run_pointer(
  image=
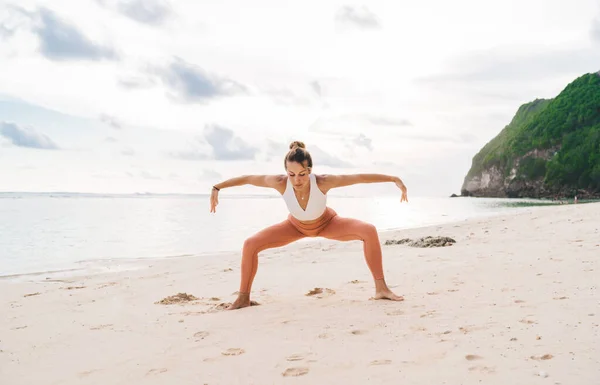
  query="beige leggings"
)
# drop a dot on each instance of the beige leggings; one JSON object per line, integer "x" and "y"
{"x": 329, "y": 225}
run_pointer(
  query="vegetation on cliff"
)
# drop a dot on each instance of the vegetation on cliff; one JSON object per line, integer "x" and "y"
{"x": 567, "y": 127}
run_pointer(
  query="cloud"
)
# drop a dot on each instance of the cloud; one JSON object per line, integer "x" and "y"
{"x": 136, "y": 82}
{"x": 356, "y": 123}
{"x": 316, "y": 87}
{"x": 13, "y": 19}
{"x": 110, "y": 139}
{"x": 60, "y": 40}
{"x": 284, "y": 96}
{"x": 26, "y": 137}
{"x": 191, "y": 83}
{"x": 324, "y": 158}
{"x": 276, "y": 151}
{"x": 151, "y": 12}
{"x": 386, "y": 121}
{"x": 197, "y": 151}
{"x": 595, "y": 30}
{"x": 227, "y": 146}
{"x": 525, "y": 65}
{"x": 208, "y": 174}
{"x": 110, "y": 121}
{"x": 363, "y": 141}
{"x": 128, "y": 152}
{"x": 6, "y": 31}
{"x": 218, "y": 143}
{"x": 360, "y": 17}
{"x": 148, "y": 175}
{"x": 458, "y": 138}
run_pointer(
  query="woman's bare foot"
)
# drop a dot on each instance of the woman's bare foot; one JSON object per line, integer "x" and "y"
{"x": 243, "y": 300}
{"x": 388, "y": 294}
{"x": 382, "y": 291}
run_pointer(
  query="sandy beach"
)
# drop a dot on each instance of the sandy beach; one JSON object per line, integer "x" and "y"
{"x": 514, "y": 301}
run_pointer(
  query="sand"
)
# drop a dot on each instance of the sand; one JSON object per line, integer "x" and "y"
{"x": 514, "y": 300}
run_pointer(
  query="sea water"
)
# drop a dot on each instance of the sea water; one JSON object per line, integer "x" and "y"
{"x": 53, "y": 232}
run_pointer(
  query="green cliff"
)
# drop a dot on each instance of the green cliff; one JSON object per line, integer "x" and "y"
{"x": 550, "y": 148}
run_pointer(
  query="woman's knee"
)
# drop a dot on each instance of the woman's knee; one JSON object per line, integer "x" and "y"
{"x": 251, "y": 244}
{"x": 369, "y": 231}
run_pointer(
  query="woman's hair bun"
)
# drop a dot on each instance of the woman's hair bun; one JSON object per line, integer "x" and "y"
{"x": 297, "y": 144}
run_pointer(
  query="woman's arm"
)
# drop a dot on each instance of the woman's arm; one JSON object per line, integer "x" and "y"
{"x": 273, "y": 181}
{"x": 334, "y": 181}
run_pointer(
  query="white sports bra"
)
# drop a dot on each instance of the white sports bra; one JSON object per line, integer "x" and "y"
{"x": 317, "y": 201}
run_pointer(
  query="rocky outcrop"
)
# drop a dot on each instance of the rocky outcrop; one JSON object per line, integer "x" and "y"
{"x": 496, "y": 182}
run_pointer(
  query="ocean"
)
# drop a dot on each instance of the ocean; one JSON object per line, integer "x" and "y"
{"x": 54, "y": 232}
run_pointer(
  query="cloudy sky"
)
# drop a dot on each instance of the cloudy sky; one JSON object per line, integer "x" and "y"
{"x": 176, "y": 95}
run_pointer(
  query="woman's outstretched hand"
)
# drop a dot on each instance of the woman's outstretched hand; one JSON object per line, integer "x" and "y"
{"x": 214, "y": 200}
{"x": 402, "y": 187}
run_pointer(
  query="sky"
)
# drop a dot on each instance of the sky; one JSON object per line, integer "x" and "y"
{"x": 173, "y": 96}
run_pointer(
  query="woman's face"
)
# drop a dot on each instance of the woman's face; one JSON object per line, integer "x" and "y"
{"x": 298, "y": 174}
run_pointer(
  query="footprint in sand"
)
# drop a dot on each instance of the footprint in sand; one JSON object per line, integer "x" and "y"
{"x": 319, "y": 292}
{"x": 429, "y": 314}
{"x": 221, "y": 306}
{"x": 73, "y": 287}
{"x": 358, "y": 332}
{"x": 107, "y": 285}
{"x": 100, "y": 327}
{"x": 233, "y": 352}
{"x": 87, "y": 373}
{"x": 188, "y": 313}
{"x": 473, "y": 357}
{"x": 295, "y": 357}
{"x": 482, "y": 369}
{"x": 395, "y": 312}
{"x": 468, "y": 329}
{"x": 32, "y": 294}
{"x": 527, "y": 321}
{"x": 177, "y": 299}
{"x": 157, "y": 371}
{"x": 201, "y": 335}
{"x": 381, "y": 362}
{"x": 543, "y": 358}
{"x": 295, "y": 372}
{"x": 559, "y": 298}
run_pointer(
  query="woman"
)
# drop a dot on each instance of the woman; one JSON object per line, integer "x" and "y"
{"x": 305, "y": 195}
